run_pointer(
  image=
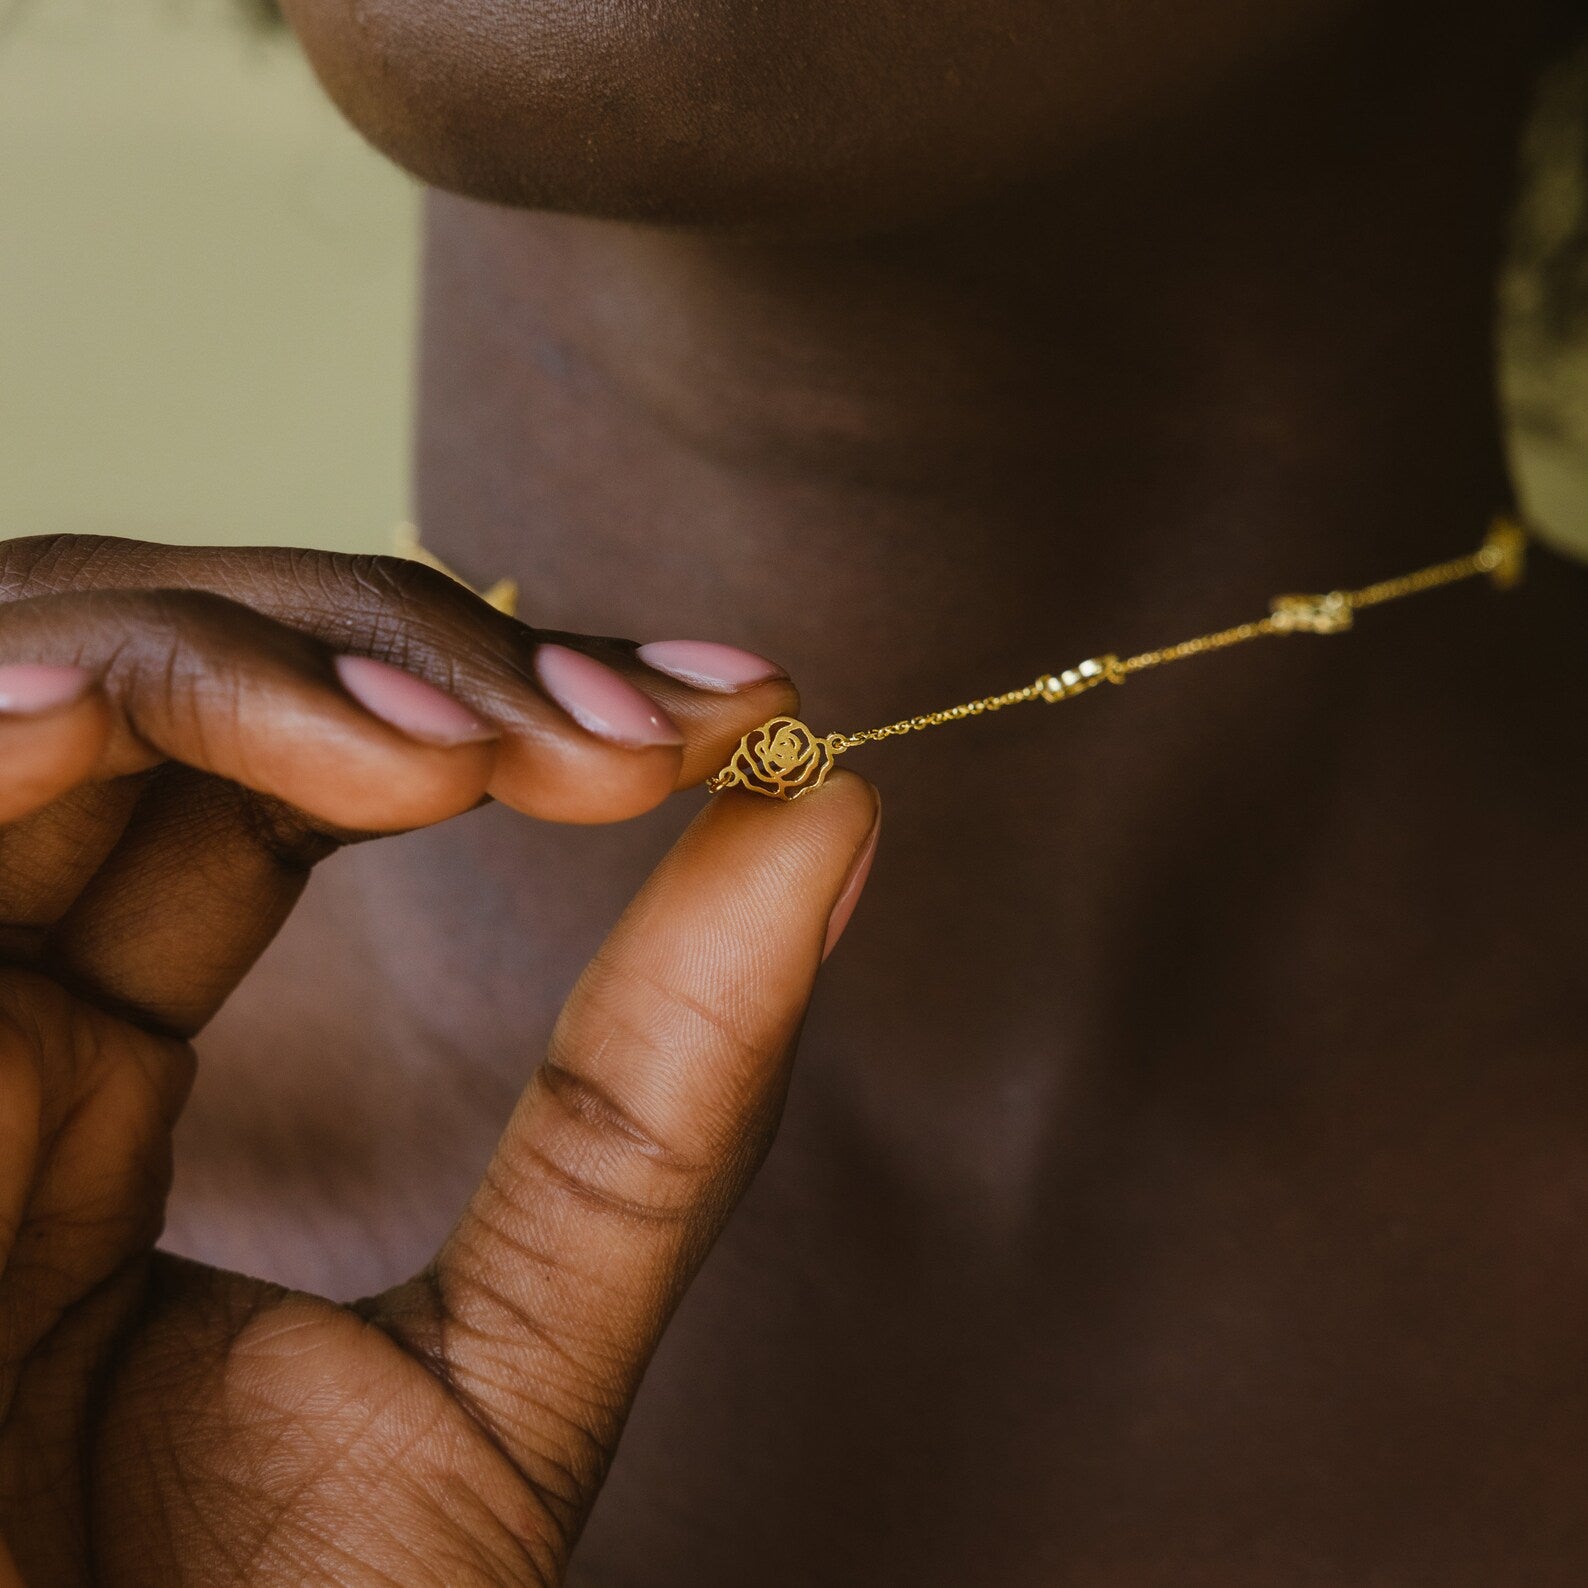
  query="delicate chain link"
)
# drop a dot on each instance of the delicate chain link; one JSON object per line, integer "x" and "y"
{"x": 1487, "y": 559}
{"x": 1501, "y": 557}
{"x": 933, "y": 719}
{"x": 1219, "y": 641}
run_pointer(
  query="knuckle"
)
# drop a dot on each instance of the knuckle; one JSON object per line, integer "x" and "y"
{"x": 405, "y": 604}
{"x": 403, "y": 579}
{"x": 420, "y": 618}
{"x": 35, "y": 565}
{"x": 338, "y": 583}
{"x": 385, "y": 583}
{"x": 393, "y": 608}
{"x": 587, "y": 1147}
{"x": 164, "y": 639}
{"x": 729, "y": 1063}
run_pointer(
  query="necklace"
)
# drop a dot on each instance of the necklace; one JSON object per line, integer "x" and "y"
{"x": 784, "y": 759}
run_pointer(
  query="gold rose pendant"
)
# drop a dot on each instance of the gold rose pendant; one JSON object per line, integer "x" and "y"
{"x": 781, "y": 759}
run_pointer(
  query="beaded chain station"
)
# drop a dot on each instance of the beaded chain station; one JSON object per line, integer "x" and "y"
{"x": 783, "y": 758}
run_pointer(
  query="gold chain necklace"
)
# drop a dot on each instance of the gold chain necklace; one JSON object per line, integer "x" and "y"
{"x": 784, "y": 759}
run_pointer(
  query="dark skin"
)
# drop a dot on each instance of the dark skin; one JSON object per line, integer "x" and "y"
{"x": 167, "y": 1422}
{"x": 1180, "y": 1181}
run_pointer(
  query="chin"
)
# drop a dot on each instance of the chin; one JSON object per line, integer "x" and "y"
{"x": 690, "y": 113}
{"x": 793, "y": 114}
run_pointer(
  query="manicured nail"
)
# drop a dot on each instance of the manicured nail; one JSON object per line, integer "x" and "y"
{"x": 409, "y": 704}
{"x": 32, "y": 690}
{"x": 724, "y": 669}
{"x": 601, "y": 701}
{"x": 854, "y": 886}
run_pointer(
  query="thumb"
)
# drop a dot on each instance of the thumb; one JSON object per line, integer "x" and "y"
{"x": 635, "y": 1139}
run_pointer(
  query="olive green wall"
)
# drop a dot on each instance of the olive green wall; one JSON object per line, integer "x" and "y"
{"x": 206, "y": 285}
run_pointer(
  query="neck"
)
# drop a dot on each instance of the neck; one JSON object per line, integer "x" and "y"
{"x": 920, "y": 469}
{"x": 1248, "y": 354}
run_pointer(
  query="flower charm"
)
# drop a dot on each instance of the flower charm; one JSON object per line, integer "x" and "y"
{"x": 781, "y": 759}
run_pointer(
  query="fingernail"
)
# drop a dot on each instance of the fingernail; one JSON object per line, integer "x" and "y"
{"x": 409, "y": 704}
{"x": 30, "y": 689}
{"x": 854, "y": 886}
{"x": 704, "y": 664}
{"x": 602, "y": 702}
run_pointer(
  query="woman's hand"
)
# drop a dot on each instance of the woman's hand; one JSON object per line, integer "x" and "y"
{"x": 181, "y": 744}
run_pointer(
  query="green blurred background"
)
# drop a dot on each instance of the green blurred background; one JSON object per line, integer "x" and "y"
{"x": 206, "y": 285}
{"x": 207, "y": 289}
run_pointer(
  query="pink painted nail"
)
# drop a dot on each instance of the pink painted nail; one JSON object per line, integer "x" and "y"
{"x": 409, "y": 704}
{"x": 853, "y": 888}
{"x": 29, "y": 689}
{"x": 704, "y": 664}
{"x": 601, "y": 701}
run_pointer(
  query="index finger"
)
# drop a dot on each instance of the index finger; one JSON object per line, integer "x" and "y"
{"x": 589, "y": 732}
